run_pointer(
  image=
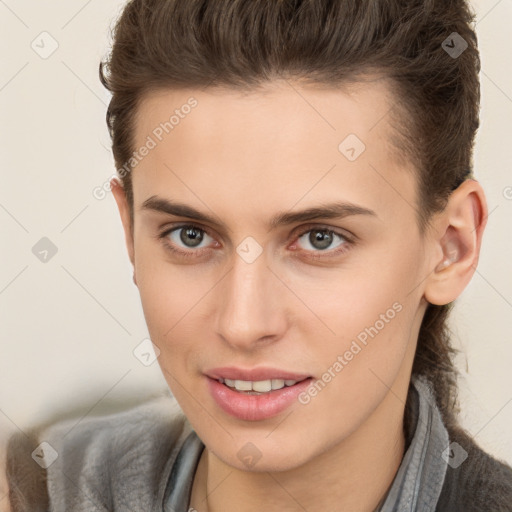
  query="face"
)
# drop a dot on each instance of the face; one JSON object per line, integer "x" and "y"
{"x": 314, "y": 317}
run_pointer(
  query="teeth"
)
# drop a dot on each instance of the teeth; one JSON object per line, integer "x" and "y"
{"x": 263, "y": 386}
{"x": 260, "y": 386}
{"x": 243, "y": 385}
{"x": 277, "y": 383}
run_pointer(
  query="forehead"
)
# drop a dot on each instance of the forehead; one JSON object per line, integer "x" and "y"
{"x": 273, "y": 106}
{"x": 284, "y": 143}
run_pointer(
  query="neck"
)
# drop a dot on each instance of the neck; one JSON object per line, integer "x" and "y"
{"x": 355, "y": 474}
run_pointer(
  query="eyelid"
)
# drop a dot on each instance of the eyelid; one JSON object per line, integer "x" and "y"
{"x": 303, "y": 229}
{"x": 163, "y": 232}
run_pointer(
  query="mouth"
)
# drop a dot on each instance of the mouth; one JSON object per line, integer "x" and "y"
{"x": 256, "y": 394}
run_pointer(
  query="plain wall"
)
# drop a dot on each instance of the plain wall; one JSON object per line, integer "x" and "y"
{"x": 69, "y": 326}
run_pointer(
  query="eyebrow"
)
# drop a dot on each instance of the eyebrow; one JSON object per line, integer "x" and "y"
{"x": 336, "y": 210}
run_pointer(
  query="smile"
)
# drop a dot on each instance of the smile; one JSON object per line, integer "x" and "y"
{"x": 256, "y": 394}
{"x": 257, "y": 387}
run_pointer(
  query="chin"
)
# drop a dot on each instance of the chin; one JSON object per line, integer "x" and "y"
{"x": 253, "y": 454}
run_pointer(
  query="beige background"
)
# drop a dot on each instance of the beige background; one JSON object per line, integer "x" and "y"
{"x": 68, "y": 327}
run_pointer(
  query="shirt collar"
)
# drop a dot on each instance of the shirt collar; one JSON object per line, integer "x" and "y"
{"x": 420, "y": 477}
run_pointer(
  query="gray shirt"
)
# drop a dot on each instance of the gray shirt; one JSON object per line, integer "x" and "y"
{"x": 144, "y": 460}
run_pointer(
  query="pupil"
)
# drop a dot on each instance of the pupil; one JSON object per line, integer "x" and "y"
{"x": 191, "y": 235}
{"x": 320, "y": 239}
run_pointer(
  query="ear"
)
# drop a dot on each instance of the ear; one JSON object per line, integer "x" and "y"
{"x": 124, "y": 211}
{"x": 456, "y": 243}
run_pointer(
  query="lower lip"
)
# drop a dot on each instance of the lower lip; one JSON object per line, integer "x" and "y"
{"x": 255, "y": 407}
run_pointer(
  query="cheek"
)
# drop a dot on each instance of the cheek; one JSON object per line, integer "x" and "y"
{"x": 167, "y": 291}
{"x": 371, "y": 332}
{"x": 357, "y": 370}
{"x": 369, "y": 311}
{"x": 372, "y": 313}
{"x": 167, "y": 304}
{"x": 352, "y": 300}
{"x": 173, "y": 299}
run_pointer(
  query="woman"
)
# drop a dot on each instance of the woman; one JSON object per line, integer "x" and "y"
{"x": 298, "y": 205}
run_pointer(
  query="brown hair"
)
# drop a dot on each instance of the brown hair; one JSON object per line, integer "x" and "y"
{"x": 243, "y": 44}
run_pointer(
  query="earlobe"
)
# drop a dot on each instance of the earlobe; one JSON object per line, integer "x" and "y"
{"x": 124, "y": 211}
{"x": 461, "y": 227}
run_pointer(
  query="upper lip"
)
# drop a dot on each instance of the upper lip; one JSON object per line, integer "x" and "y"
{"x": 253, "y": 374}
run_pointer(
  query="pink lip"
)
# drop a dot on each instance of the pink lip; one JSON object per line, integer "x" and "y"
{"x": 253, "y": 374}
{"x": 255, "y": 407}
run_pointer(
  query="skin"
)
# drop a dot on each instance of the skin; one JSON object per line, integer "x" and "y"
{"x": 243, "y": 158}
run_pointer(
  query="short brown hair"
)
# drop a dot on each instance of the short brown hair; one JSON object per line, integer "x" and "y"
{"x": 242, "y": 44}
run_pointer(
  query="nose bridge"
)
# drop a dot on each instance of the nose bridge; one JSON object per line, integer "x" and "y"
{"x": 248, "y": 309}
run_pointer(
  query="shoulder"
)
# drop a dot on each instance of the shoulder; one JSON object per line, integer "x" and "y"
{"x": 100, "y": 463}
{"x": 480, "y": 482}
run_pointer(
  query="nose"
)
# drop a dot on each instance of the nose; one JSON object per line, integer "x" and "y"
{"x": 251, "y": 305}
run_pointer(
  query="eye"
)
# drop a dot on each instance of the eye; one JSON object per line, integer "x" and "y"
{"x": 190, "y": 241}
{"x": 186, "y": 240}
{"x": 321, "y": 239}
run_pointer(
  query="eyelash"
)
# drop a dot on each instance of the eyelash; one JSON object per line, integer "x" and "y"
{"x": 348, "y": 242}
